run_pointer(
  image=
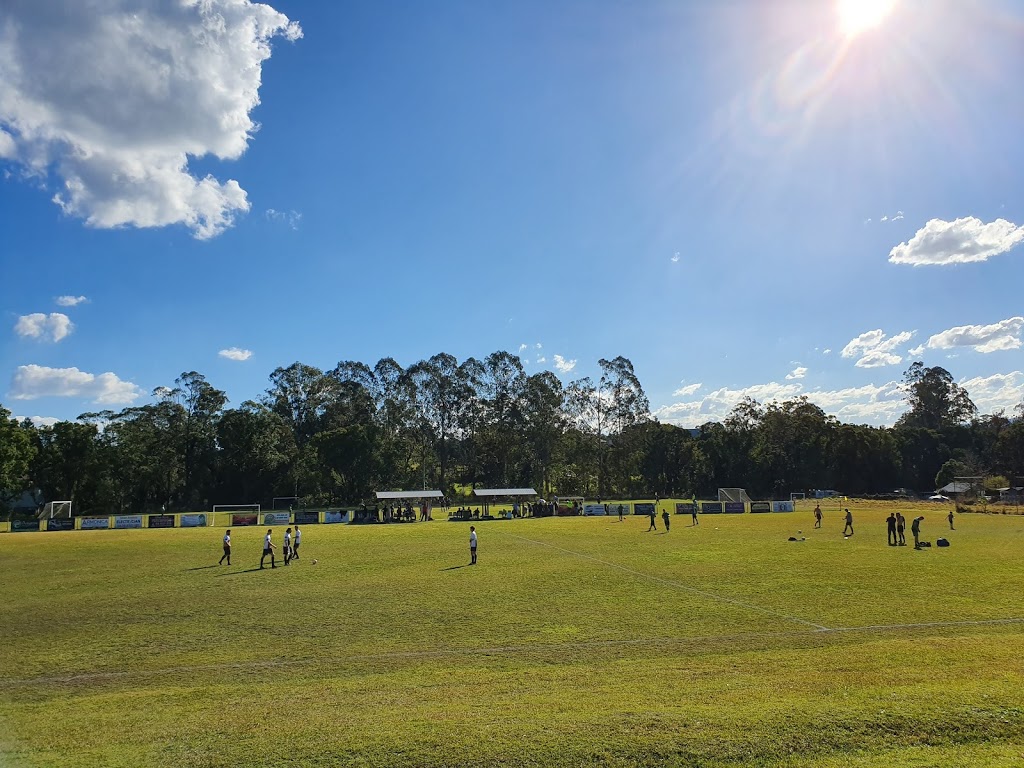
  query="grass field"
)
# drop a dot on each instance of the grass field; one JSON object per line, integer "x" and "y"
{"x": 575, "y": 641}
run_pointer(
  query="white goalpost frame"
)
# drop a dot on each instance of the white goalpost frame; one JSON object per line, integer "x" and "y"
{"x": 293, "y": 499}
{"x": 54, "y": 509}
{"x": 795, "y": 497}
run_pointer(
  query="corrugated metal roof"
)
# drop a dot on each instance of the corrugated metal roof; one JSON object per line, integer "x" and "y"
{"x": 385, "y": 495}
{"x": 504, "y": 492}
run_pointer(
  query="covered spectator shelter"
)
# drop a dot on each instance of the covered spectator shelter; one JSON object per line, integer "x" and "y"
{"x": 409, "y": 497}
{"x": 487, "y": 496}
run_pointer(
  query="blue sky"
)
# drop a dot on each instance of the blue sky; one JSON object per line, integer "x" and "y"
{"x": 744, "y": 198}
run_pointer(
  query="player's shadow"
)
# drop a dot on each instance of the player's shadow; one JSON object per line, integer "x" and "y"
{"x": 203, "y": 567}
{"x": 239, "y": 573}
{"x": 455, "y": 567}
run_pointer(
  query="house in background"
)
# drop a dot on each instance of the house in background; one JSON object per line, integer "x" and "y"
{"x": 955, "y": 489}
{"x": 1011, "y": 495}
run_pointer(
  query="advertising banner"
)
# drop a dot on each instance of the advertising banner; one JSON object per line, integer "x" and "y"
{"x": 160, "y": 521}
{"x": 60, "y": 524}
{"x": 595, "y": 510}
{"x": 307, "y": 518}
{"x": 94, "y": 523}
{"x": 336, "y": 517}
{"x": 613, "y": 507}
{"x": 128, "y": 521}
{"x": 277, "y": 518}
{"x": 24, "y": 525}
{"x": 735, "y": 508}
{"x": 760, "y": 506}
{"x": 711, "y": 507}
{"x": 684, "y": 507}
{"x": 782, "y": 506}
{"x": 643, "y": 508}
{"x": 193, "y": 521}
{"x": 244, "y": 519}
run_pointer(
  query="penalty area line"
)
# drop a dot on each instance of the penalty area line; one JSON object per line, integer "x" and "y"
{"x": 674, "y": 584}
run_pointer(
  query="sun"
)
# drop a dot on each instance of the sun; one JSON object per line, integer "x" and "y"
{"x": 858, "y": 16}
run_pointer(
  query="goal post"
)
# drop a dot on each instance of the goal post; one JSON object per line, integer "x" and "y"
{"x": 52, "y": 509}
{"x": 285, "y": 502}
{"x": 236, "y": 508}
{"x": 795, "y": 497}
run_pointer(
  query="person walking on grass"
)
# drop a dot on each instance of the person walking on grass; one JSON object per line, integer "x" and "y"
{"x": 227, "y": 548}
{"x": 621, "y": 510}
{"x": 951, "y": 520}
{"x": 890, "y": 522}
{"x": 915, "y": 528}
{"x": 268, "y": 549}
{"x": 295, "y": 546}
{"x": 817, "y": 515}
{"x": 849, "y": 523}
{"x": 901, "y": 527}
{"x": 472, "y": 545}
{"x": 654, "y": 513}
{"x": 287, "y": 546}
{"x": 665, "y": 519}
{"x": 693, "y": 514}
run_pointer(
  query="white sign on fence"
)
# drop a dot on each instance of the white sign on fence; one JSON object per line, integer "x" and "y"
{"x": 92, "y": 523}
{"x": 782, "y": 506}
{"x": 277, "y": 518}
{"x": 193, "y": 521}
{"x": 128, "y": 521}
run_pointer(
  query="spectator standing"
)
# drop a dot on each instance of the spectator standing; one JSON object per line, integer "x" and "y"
{"x": 849, "y": 523}
{"x": 654, "y": 524}
{"x": 915, "y": 528}
{"x": 817, "y": 515}
{"x": 951, "y": 521}
{"x": 472, "y": 545}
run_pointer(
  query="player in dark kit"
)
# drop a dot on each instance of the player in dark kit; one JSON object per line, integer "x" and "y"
{"x": 665, "y": 519}
{"x": 654, "y": 524}
{"x": 890, "y": 522}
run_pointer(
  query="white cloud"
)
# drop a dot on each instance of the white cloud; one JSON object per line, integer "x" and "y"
{"x": 686, "y": 391}
{"x": 289, "y": 218}
{"x": 1000, "y": 391}
{"x": 884, "y": 218}
{"x": 563, "y": 365}
{"x": 797, "y": 373}
{"x": 957, "y": 242}
{"x": 7, "y": 147}
{"x": 917, "y": 351}
{"x": 70, "y": 301}
{"x": 869, "y": 404}
{"x": 40, "y": 421}
{"x": 898, "y": 216}
{"x": 34, "y": 381}
{"x": 52, "y": 327}
{"x": 115, "y": 98}
{"x": 981, "y": 338}
{"x": 538, "y": 345}
{"x": 234, "y": 353}
{"x": 826, "y": 352}
{"x": 675, "y": 257}
{"x": 541, "y": 360}
{"x": 523, "y": 347}
{"x": 875, "y": 350}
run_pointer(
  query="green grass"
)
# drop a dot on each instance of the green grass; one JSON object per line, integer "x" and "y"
{"x": 575, "y": 641}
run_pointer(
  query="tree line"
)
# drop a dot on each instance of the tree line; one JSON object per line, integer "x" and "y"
{"x": 333, "y": 437}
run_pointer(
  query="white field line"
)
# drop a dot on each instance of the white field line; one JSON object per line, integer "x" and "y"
{"x": 523, "y": 648}
{"x": 673, "y": 584}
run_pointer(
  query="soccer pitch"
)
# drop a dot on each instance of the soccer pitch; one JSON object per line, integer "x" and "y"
{"x": 574, "y": 641}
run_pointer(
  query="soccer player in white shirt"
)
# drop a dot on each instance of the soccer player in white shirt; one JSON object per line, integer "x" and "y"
{"x": 287, "y": 546}
{"x": 472, "y": 544}
{"x": 227, "y": 548}
{"x": 295, "y": 546}
{"x": 268, "y": 549}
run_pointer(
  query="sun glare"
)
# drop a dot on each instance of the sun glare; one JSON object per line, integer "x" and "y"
{"x": 857, "y": 16}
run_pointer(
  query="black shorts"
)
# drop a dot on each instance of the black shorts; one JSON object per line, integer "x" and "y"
{"x": 268, "y": 552}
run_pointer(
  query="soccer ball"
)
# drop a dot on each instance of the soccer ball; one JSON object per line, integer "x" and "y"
{"x": 314, "y": 562}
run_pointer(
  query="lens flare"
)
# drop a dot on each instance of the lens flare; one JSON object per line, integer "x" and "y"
{"x": 857, "y": 16}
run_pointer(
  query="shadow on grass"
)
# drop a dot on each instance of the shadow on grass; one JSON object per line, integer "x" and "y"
{"x": 239, "y": 573}
{"x": 203, "y": 567}
{"x": 455, "y": 567}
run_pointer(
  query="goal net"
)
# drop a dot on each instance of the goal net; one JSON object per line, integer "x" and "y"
{"x": 52, "y": 509}
{"x": 733, "y": 494}
{"x": 797, "y": 496}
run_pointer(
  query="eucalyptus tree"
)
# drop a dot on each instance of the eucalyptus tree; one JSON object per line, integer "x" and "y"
{"x": 443, "y": 395}
{"x": 16, "y": 453}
